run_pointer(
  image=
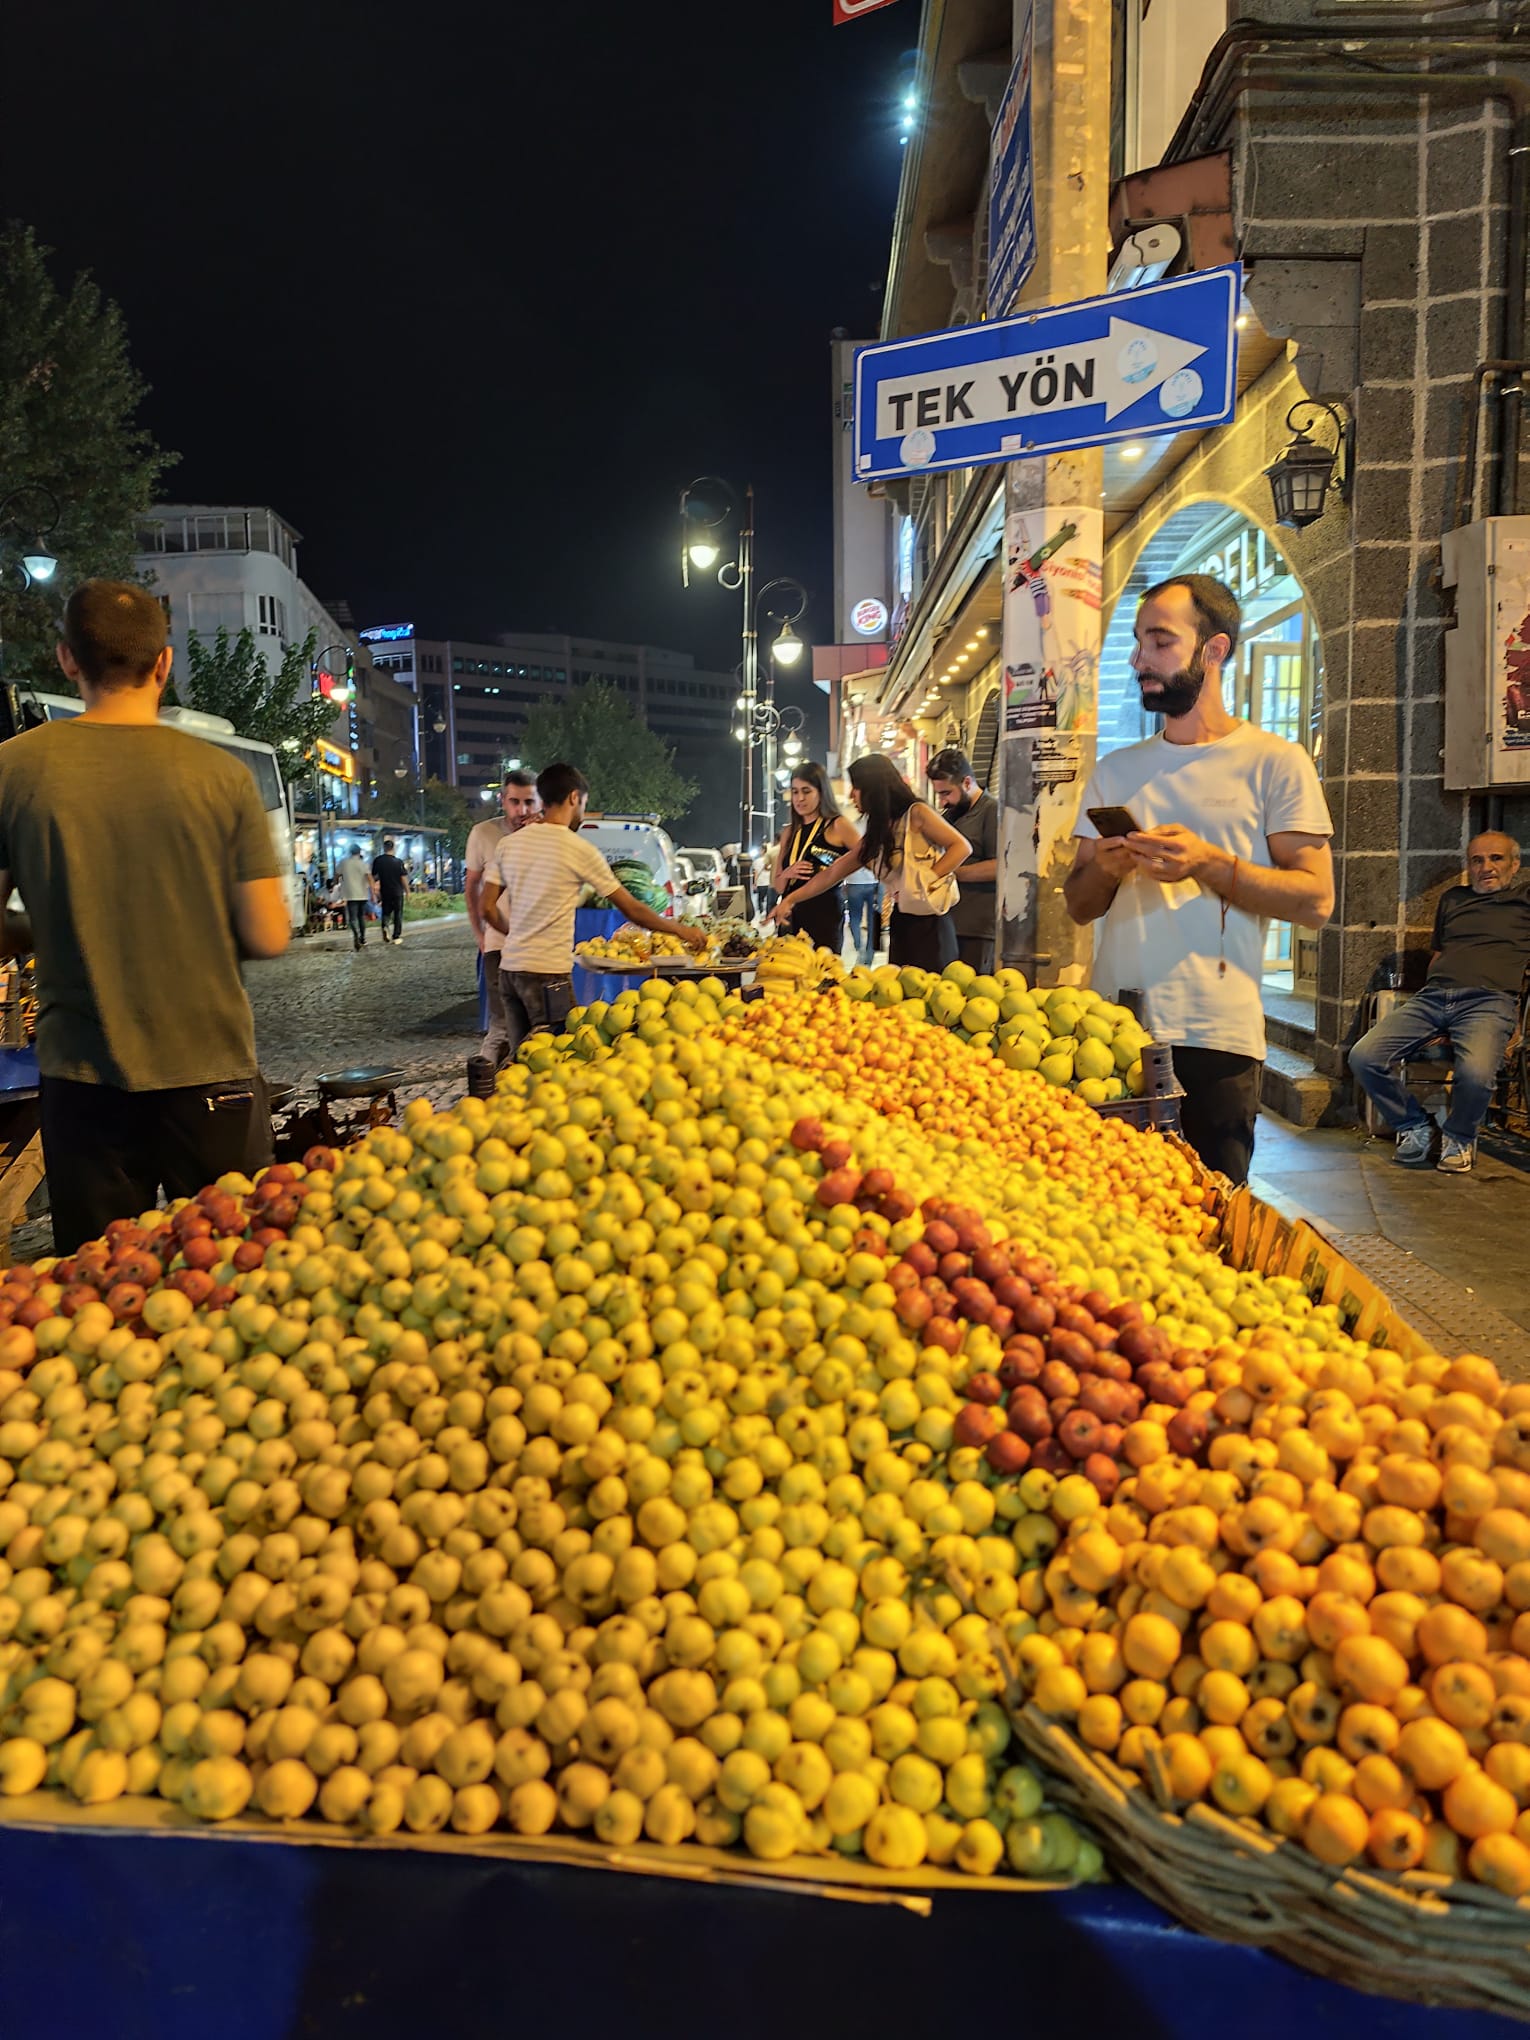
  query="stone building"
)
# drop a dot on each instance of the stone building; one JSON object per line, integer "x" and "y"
{"x": 1369, "y": 169}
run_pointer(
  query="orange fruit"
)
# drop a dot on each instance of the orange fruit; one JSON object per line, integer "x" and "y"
{"x": 1431, "y": 1753}
{"x": 1463, "y": 1694}
{"x": 1504, "y": 1535}
{"x": 1314, "y": 1712}
{"x": 1228, "y": 1647}
{"x": 1150, "y": 1644}
{"x": 1267, "y": 1730}
{"x": 1501, "y": 1861}
{"x": 1409, "y": 1483}
{"x": 1448, "y": 1632}
{"x": 1280, "y": 1628}
{"x": 1187, "y": 1766}
{"x": 1378, "y": 1783}
{"x": 1508, "y": 1765}
{"x": 1395, "y": 1840}
{"x": 1404, "y": 1569}
{"x": 1289, "y": 1803}
{"x": 1471, "y": 1579}
{"x": 1366, "y": 1729}
{"x": 1331, "y": 1616}
{"x": 1475, "y": 1806}
{"x": 1371, "y": 1668}
{"x": 1396, "y": 1616}
{"x": 1241, "y": 1784}
{"x": 1100, "y": 1721}
{"x": 1338, "y": 1828}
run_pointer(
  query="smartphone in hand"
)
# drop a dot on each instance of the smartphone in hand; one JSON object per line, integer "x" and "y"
{"x": 1113, "y": 821}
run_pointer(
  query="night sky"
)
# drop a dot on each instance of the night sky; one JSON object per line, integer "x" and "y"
{"x": 468, "y": 292}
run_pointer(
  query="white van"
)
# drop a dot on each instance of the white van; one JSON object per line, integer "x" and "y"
{"x": 25, "y": 707}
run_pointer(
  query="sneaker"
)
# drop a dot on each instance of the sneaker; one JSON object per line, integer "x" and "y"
{"x": 1456, "y": 1156}
{"x": 1413, "y": 1145}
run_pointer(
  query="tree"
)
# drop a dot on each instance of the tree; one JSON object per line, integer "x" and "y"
{"x": 594, "y": 727}
{"x": 68, "y": 398}
{"x": 445, "y": 807}
{"x": 230, "y": 677}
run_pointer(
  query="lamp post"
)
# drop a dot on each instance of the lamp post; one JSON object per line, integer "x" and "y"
{"x": 705, "y": 507}
{"x": 34, "y": 561}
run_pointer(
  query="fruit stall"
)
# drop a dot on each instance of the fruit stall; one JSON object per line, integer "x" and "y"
{"x": 797, "y": 1463}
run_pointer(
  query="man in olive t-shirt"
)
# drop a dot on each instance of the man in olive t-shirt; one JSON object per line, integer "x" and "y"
{"x": 145, "y": 864}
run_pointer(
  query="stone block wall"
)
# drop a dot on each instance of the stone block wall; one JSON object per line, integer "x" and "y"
{"x": 1414, "y": 192}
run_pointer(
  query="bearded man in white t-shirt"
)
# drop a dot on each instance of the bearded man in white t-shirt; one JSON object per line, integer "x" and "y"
{"x": 531, "y": 888}
{"x": 1232, "y": 832}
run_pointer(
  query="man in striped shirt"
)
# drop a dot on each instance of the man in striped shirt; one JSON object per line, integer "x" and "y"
{"x": 531, "y": 887}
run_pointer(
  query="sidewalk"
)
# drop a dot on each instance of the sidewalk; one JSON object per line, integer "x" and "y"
{"x": 340, "y": 938}
{"x": 1452, "y": 1252}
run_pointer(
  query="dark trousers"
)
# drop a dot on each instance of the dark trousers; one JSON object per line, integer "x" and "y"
{"x": 391, "y": 914}
{"x": 356, "y": 921}
{"x": 109, "y": 1153}
{"x": 534, "y": 1004}
{"x": 978, "y": 951}
{"x": 1220, "y": 1105}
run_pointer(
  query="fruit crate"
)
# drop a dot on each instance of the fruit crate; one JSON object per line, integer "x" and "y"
{"x": 1410, "y": 1935}
{"x": 1413, "y": 1935}
{"x": 1157, "y": 1110}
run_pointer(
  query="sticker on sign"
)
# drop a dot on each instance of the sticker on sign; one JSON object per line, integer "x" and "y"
{"x": 1163, "y": 358}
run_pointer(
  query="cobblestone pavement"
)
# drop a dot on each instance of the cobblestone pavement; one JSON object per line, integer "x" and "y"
{"x": 413, "y": 1006}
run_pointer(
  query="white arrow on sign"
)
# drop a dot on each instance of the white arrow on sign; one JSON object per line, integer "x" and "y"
{"x": 1117, "y": 370}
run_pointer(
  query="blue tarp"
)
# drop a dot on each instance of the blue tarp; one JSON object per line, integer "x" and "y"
{"x": 176, "y": 1937}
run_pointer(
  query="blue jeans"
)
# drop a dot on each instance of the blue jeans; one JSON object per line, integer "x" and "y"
{"x": 864, "y": 902}
{"x": 1478, "y": 1026}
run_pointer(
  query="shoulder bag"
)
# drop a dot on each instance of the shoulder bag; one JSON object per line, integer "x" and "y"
{"x": 919, "y": 890}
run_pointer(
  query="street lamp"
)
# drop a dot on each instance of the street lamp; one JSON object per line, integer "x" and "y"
{"x": 36, "y": 562}
{"x": 705, "y": 507}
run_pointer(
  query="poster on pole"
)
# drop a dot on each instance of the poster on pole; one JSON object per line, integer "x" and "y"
{"x": 1012, "y": 182}
{"x": 1051, "y": 635}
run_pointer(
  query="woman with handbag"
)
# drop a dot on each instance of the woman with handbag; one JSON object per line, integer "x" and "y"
{"x": 812, "y": 840}
{"x": 913, "y": 851}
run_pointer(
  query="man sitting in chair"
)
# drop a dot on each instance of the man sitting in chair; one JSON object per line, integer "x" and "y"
{"x": 1480, "y": 949}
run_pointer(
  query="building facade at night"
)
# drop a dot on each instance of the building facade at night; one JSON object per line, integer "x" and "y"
{"x": 474, "y": 699}
{"x": 234, "y": 567}
{"x": 1365, "y": 174}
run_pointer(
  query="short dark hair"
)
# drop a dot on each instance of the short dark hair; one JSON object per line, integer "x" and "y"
{"x": 950, "y": 764}
{"x": 387, "y": 842}
{"x": 519, "y": 776}
{"x": 115, "y": 632}
{"x": 1216, "y": 607}
{"x": 555, "y": 783}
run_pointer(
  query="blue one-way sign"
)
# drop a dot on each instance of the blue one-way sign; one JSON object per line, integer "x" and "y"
{"x": 1160, "y": 359}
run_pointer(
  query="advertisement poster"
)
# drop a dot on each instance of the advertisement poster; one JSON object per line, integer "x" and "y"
{"x": 1514, "y": 735}
{"x": 1011, "y": 184}
{"x": 1051, "y": 636}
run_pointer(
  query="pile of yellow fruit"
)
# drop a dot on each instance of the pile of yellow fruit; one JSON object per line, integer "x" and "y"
{"x": 630, "y": 945}
{"x": 580, "y": 1458}
{"x": 561, "y": 1462}
{"x": 1074, "y": 1038}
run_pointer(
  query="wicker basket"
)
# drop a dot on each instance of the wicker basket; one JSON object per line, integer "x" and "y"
{"x": 1407, "y": 1935}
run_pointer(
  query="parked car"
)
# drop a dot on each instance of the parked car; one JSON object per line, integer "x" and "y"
{"x": 639, "y": 841}
{"x": 696, "y": 884}
{"x": 708, "y": 864}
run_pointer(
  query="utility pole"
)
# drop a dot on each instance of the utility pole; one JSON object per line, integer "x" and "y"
{"x": 1042, "y": 770}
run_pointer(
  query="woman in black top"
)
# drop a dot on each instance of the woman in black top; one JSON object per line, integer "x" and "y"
{"x": 816, "y": 837}
{"x": 893, "y": 813}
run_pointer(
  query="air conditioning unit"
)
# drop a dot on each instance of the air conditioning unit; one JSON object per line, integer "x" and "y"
{"x": 1487, "y": 656}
